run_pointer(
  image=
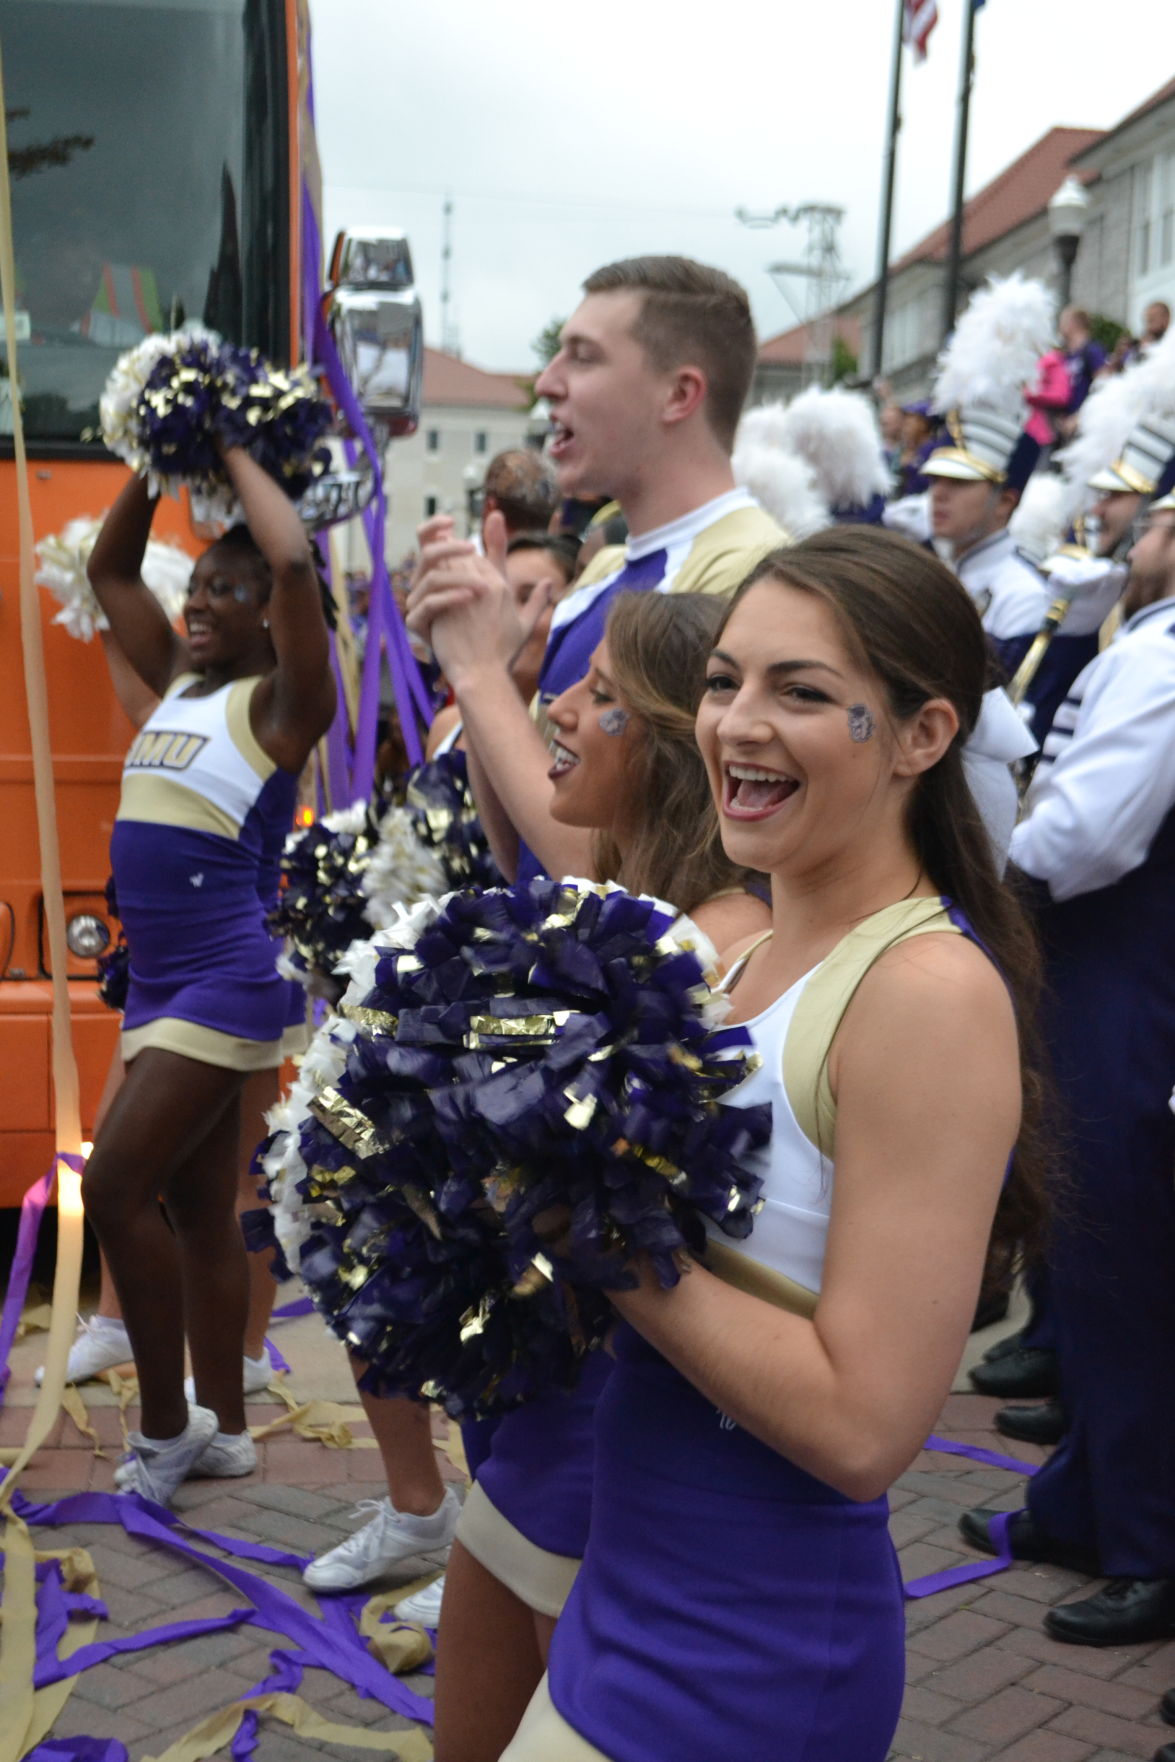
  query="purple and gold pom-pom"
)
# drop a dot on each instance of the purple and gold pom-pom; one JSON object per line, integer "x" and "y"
{"x": 321, "y": 908}
{"x": 531, "y": 1098}
{"x": 170, "y": 400}
{"x": 441, "y": 802}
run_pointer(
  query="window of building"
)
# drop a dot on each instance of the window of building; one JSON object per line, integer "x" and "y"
{"x": 432, "y": 440}
{"x": 430, "y": 507}
{"x": 481, "y": 441}
{"x": 1153, "y": 220}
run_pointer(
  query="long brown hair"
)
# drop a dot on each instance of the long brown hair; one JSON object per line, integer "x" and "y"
{"x": 912, "y": 624}
{"x": 658, "y": 645}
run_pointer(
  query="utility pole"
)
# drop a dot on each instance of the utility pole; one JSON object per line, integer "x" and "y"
{"x": 821, "y": 270}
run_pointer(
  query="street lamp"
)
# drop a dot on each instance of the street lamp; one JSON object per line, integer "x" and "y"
{"x": 1067, "y": 213}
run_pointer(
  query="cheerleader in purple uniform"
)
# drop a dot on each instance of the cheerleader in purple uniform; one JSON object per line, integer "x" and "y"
{"x": 208, "y": 794}
{"x": 739, "y": 1594}
{"x": 626, "y": 765}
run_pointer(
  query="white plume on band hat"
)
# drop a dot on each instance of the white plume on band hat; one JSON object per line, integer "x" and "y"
{"x": 782, "y": 484}
{"x": 1125, "y": 431}
{"x": 806, "y": 460}
{"x": 837, "y": 433}
{"x": 989, "y": 361}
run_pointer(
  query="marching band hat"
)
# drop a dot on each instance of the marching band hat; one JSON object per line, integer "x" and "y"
{"x": 1164, "y": 502}
{"x": 1144, "y": 461}
{"x": 987, "y": 446}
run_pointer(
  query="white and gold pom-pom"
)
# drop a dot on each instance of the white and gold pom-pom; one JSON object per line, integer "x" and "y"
{"x": 62, "y": 560}
{"x": 401, "y": 869}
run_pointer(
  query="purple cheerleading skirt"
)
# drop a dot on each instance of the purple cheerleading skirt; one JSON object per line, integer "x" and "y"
{"x": 535, "y": 1467}
{"x": 728, "y": 1604}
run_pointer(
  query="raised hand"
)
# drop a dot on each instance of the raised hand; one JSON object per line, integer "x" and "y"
{"x": 462, "y": 604}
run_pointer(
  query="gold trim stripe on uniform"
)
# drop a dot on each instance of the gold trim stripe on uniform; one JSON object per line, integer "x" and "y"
{"x": 208, "y": 1045}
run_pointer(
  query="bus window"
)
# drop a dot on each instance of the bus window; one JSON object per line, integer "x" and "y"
{"x": 149, "y": 184}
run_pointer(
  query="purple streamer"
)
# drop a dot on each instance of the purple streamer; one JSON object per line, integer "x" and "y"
{"x": 79, "y": 1750}
{"x": 286, "y": 1670}
{"x": 338, "y": 769}
{"x": 32, "y": 1210}
{"x": 998, "y": 1529}
{"x": 57, "y": 1513}
{"x": 385, "y": 624}
{"x": 287, "y": 1312}
{"x": 976, "y": 1453}
{"x": 326, "y": 1643}
{"x": 963, "y": 1575}
{"x": 50, "y": 1668}
{"x": 52, "y": 1614}
{"x": 277, "y": 1357}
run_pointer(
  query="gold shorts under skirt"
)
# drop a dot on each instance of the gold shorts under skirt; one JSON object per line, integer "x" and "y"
{"x": 545, "y": 1736}
{"x": 538, "y": 1578}
{"x": 208, "y": 1046}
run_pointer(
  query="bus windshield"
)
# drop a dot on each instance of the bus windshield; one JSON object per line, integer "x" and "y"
{"x": 147, "y": 144}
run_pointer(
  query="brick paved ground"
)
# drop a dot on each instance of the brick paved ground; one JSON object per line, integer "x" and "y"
{"x": 984, "y": 1683}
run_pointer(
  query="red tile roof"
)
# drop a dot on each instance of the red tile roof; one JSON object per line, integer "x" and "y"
{"x": 450, "y": 381}
{"x": 1021, "y": 190}
{"x": 1152, "y": 103}
{"x": 790, "y": 347}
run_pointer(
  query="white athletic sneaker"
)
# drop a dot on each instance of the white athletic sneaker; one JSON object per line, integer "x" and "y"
{"x": 259, "y": 1373}
{"x": 425, "y": 1607}
{"x": 155, "y": 1468}
{"x": 391, "y": 1542}
{"x": 228, "y": 1455}
{"x": 99, "y": 1344}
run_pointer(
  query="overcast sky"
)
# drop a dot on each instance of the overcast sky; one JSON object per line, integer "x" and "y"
{"x": 573, "y": 135}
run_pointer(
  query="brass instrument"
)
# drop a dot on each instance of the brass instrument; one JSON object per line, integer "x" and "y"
{"x": 1029, "y": 667}
{"x": 1053, "y": 619}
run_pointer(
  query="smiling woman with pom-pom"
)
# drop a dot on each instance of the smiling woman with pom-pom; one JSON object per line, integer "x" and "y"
{"x": 525, "y": 1077}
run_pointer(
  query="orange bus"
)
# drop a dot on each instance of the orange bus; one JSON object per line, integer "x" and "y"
{"x": 159, "y": 156}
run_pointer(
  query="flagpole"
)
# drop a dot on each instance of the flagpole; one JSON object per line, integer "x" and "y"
{"x": 881, "y": 293}
{"x": 955, "y": 258}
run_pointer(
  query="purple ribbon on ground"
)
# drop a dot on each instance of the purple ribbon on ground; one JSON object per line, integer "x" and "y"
{"x": 286, "y": 1670}
{"x": 287, "y": 1312}
{"x": 977, "y": 1453}
{"x": 950, "y": 1576}
{"x": 32, "y": 1210}
{"x": 973, "y": 1569}
{"x": 79, "y": 1750}
{"x": 49, "y": 1668}
{"x": 331, "y": 1643}
{"x": 277, "y": 1357}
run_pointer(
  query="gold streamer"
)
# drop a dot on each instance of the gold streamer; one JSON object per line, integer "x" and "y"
{"x": 18, "y": 1709}
{"x": 220, "y": 1728}
{"x": 76, "y": 1408}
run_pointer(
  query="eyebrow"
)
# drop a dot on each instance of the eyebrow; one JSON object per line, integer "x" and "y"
{"x": 780, "y": 668}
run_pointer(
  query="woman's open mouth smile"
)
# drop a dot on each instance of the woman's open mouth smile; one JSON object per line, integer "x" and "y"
{"x": 565, "y": 761}
{"x": 751, "y": 793}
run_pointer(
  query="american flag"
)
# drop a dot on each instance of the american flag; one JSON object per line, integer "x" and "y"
{"x": 921, "y": 18}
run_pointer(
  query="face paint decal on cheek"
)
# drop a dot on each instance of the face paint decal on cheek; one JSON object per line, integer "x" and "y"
{"x": 613, "y": 721}
{"x": 861, "y": 723}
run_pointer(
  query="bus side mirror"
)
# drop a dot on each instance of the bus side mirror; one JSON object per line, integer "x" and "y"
{"x": 374, "y": 314}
